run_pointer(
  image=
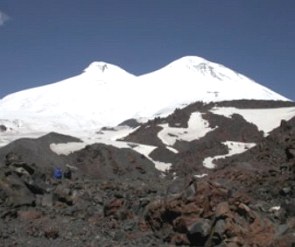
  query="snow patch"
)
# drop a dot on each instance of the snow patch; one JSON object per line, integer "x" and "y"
{"x": 265, "y": 119}
{"x": 161, "y": 166}
{"x": 66, "y": 148}
{"x": 274, "y": 209}
{"x": 146, "y": 150}
{"x": 109, "y": 137}
{"x": 197, "y": 128}
{"x": 234, "y": 148}
{"x": 200, "y": 175}
{"x": 172, "y": 149}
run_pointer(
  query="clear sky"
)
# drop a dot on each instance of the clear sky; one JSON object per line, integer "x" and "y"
{"x": 46, "y": 41}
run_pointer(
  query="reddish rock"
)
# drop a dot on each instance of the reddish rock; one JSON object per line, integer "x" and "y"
{"x": 51, "y": 233}
{"x": 183, "y": 223}
{"x": 179, "y": 239}
{"x": 192, "y": 208}
{"x": 143, "y": 226}
{"x": 95, "y": 219}
{"x": 112, "y": 207}
{"x": 287, "y": 240}
{"x": 29, "y": 214}
{"x": 261, "y": 232}
{"x": 223, "y": 210}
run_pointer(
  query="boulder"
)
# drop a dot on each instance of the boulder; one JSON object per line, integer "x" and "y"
{"x": 16, "y": 191}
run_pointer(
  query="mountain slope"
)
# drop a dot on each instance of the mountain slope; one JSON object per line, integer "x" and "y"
{"x": 191, "y": 79}
{"x": 116, "y": 190}
{"x": 88, "y": 100}
{"x": 106, "y": 95}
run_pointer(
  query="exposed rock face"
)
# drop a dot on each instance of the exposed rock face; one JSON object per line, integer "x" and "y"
{"x": 116, "y": 197}
{"x": 212, "y": 216}
{"x": 37, "y": 209}
{"x": 101, "y": 161}
{"x": 38, "y": 150}
{"x": 3, "y": 128}
{"x": 187, "y": 212}
{"x": 191, "y": 153}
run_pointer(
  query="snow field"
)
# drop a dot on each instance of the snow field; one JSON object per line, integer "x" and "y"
{"x": 265, "y": 119}
{"x": 106, "y": 95}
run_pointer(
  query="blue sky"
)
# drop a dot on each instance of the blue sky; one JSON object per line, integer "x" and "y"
{"x": 46, "y": 41}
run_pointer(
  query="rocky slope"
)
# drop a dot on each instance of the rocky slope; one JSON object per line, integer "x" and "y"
{"x": 186, "y": 148}
{"x": 112, "y": 196}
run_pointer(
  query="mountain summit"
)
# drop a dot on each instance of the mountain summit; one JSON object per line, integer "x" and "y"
{"x": 204, "y": 67}
{"x": 105, "y": 95}
{"x": 230, "y": 163}
{"x": 102, "y": 70}
{"x": 190, "y": 78}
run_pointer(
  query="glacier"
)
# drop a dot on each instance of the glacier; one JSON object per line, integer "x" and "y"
{"x": 106, "y": 95}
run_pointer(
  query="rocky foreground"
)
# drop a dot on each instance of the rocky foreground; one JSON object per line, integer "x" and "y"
{"x": 248, "y": 200}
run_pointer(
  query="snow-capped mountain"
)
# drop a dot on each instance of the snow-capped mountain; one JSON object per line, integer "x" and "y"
{"x": 106, "y": 95}
{"x": 232, "y": 158}
{"x": 191, "y": 79}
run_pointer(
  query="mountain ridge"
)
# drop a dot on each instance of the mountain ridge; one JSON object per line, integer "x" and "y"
{"x": 195, "y": 177}
{"x": 189, "y": 62}
{"x": 107, "y": 95}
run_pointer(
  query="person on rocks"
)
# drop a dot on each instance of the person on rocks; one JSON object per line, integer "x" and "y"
{"x": 68, "y": 173}
{"x": 57, "y": 173}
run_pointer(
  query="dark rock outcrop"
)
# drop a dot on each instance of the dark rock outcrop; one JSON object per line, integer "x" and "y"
{"x": 116, "y": 197}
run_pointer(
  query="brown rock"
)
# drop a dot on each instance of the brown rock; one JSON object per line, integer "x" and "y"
{"x": 222, "y": 210}
{"x": 51, "y": 233}
{"x": 284, "y": 241}
{"x": 201, "y": 227}
{"x": 234, "y": 242}
{"x": 291, "y": 222}
{"x": 95, "y": 219}
{"x": 112, "y": 207}
{"x": 29, "y": 214}
{"x": 261, "y": 231}
{"x": 143, "y": 226}
{"x": 16, "y": 191}
{"x": 192, "y": 208}
{"x": 246, "y": 212}
{"x": 154, "y": 212}
{"x": 179, "y": 239}
{"x": 183, "y": 223}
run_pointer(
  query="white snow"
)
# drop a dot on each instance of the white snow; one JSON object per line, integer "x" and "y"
{"x": 274, "y": 209}
{"x": 234, "y": 148}
{"x": 146, "y": 150}
{"x": 197, "y": 128}
{"x": 162, "y": 166}
{"x": 265, "y": 119}
{"x": 105, "y": 95}
{"x": 172, "y": 149}
{"x": 200, "y": 175}
{"x": 110, "y": 137}
{"x": 88, "y": 101}
{"x": 67, "y": 148}
{"x": 192, "y": 79}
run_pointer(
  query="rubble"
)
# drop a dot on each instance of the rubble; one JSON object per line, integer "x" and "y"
{"x": 248, "y": 200}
